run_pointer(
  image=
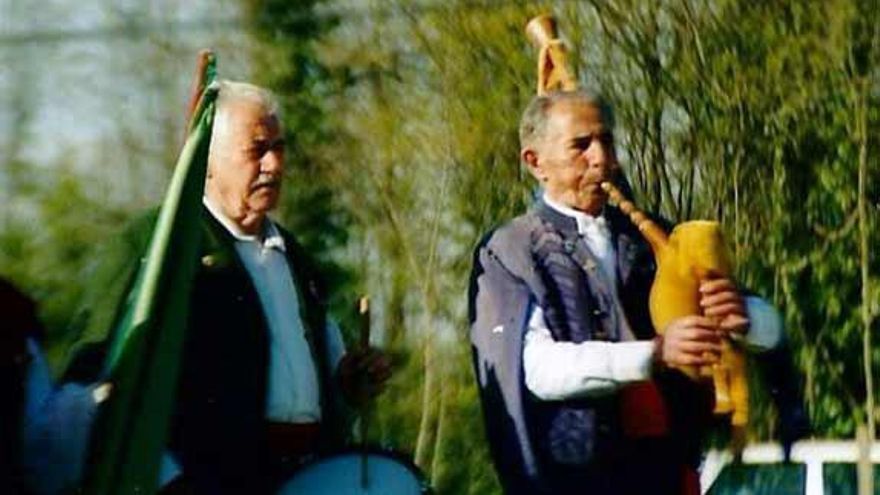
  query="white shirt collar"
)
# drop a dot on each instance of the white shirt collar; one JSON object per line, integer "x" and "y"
{"x": 586, "y": 223}
{"x": 271, "y": 235}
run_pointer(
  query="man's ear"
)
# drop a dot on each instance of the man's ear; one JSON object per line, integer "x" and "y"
{"x": 530, "y": 159}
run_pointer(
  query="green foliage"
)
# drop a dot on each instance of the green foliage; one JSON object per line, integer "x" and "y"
{"x": 47, "y": 241}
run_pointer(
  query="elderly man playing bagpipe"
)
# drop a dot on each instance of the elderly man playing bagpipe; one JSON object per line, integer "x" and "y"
{"x": 581, "y": 394}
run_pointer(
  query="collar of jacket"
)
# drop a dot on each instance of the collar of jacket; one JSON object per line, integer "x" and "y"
{"x": 617, "y": 222}
{"x": 218, "y": 245}
{"x": 628, "y": 242}
{"x": 563, "y": 223}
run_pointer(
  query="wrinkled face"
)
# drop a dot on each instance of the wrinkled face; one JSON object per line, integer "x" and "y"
{"x": 246, "y": 162}
{"x": 575, "y": 155}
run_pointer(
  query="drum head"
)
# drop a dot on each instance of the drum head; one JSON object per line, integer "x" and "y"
{"x": 387, "y": 473}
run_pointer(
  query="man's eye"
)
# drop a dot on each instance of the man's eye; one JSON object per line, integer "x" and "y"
{"x": 261, "y": 148}
{"x": 258, "y": 149}
{"x": 581, "y": 144}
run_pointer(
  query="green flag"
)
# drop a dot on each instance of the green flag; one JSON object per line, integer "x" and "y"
{"x": 144, "y": 359}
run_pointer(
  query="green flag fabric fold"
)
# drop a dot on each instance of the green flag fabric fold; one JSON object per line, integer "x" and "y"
{"x": 145, "y": 356}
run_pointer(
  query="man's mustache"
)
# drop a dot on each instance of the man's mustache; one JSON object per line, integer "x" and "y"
{"x": 597, "y": 180}
{"x": 273, "y": 182}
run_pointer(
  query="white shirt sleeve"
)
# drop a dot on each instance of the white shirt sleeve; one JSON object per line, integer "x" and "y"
{"x": 565, "y": 370}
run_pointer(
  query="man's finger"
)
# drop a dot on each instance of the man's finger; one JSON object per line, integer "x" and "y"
{"x": 723, "y": 310}
{"x": 697, "y": 347}
{"x": 693, "y": 360}
{"x": 699, "y": 334}
{"x": 368, "y": 357}
{"x": 707, "y": 301}
{"x": 712, "y": 286}
{"x": 373, "y": 366}
{"x": 692, "y": 321}
{"x": 379, "y": 364}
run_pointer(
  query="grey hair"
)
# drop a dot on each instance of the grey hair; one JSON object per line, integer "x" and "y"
{"x": 234, "y": 91}
{"x": 533, "y": 123}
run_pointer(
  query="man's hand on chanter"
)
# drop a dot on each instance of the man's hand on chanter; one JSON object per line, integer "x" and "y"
{"x": 722, "y": 301}
{"x": 689, "y": 341}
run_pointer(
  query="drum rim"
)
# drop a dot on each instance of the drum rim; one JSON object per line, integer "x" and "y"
{"x": 396, "y": 455}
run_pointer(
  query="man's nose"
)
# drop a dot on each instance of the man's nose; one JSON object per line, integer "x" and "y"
{"x": 600, "y": 155}
{"x": 272, "y": 162}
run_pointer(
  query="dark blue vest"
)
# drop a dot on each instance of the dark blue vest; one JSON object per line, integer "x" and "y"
{"x": 539, "y": 259}
{"x": 580, "y": 304}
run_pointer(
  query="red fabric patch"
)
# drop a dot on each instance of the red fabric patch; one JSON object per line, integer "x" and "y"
{"x": 643, "y": 412}
{"x": 691, "y": 481}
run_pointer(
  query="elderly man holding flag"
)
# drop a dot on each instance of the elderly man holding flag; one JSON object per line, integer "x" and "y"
{"x": 208, "y": 322}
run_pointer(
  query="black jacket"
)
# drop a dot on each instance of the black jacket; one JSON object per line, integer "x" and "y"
{"x": 218, "y": 424}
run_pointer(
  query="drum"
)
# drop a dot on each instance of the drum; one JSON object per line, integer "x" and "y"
{"x": 363, "y": 472}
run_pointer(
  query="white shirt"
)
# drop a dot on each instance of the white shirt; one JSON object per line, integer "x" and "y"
{"x": 566, "y": 370}
{"x": 293, "y": 394}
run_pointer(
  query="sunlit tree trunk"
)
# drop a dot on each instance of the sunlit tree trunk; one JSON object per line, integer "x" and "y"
{"x": 427, "y": 435}
{"x": 866, "y": 471}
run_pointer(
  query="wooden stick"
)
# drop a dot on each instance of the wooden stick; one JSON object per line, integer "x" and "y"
{"x": 364, "y": 320}
{"x": 200, "y": 79}
{"x": 364, "y": 344}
